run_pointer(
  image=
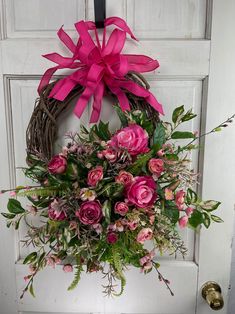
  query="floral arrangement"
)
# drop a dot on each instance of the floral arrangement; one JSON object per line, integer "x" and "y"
{"x": 106, "y": 195}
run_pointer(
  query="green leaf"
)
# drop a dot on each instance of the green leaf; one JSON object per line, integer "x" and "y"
{"x": 172, "y": 212}
{"x": 106, "y": 209}
{"x": 217, "y": 129}
{"x": 210, "y": 205}
{"x": 191, "y": 197}
{"x": 206, "y": 220}
{"x": 140, "y": 163}
{"x": 31, "y": 290}
{"x": 15, "y": 207}
{"x": 103, "y": 131}
{"x": 113, "y": 189}
{"x": 159, "y": 136}
{"x": 121, "y": 115}
{"x": 188, "y": 116}
{"x": 182, "y": 135}
{"x": 216, "y": 219}
{"x": 196, "y": 219}
{"x": 8, "y": 216}
{"x": 177, "y": 113}
{"x": 30, "y": 258}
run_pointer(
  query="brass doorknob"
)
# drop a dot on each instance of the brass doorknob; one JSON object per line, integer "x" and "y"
{"x": 211, "y": 292}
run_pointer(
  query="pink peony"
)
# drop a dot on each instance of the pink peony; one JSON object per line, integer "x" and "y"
{"x": 68, "y": 268}
{"x": 133, "y": 224}
{"x": 124, "y": 177}
{"x": 89, "y": 213}
{"x": 95, "y": 175}
{"x": 169, "y": 194}
{"x": 56, "y": 212}
{"x": 156, "y": 166}
{"x": 179, "y": 199}
{"x": 183, "y": 221}
{"x": 144, "y": 235}
{"x": 142, "y": 191}
{"x": 132, "y": 138}
{"x": 112, "y": 237}
{"x": 121, "y": 208}
{"x": 57, "y": 165}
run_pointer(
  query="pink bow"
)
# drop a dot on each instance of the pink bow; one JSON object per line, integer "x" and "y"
{"x": 97, "y": 66}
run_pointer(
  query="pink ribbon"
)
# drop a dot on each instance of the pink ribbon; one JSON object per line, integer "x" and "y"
{"x": 97, "y": 66}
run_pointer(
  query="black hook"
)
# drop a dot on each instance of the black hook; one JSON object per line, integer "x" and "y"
{"x": 100, "y": 12}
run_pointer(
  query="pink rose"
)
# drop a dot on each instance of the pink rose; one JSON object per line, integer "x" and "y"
{"x": 124, "y": 177}
{"x": 89, "y": 213}
{"x": 68, "y": 268}
{"x": 56, "y": 211}
{"x": 121, "y": 208}
{"x": 142, "y": 191}
{"x": 144, "y": 235}
{"x": 156, "y": 166}
{"x": 183, "y": 221}
{"x": 112, "y": 237}
{"x": 179, "y": 199}
{"x": 132, "y": 138}
{"x": 57, "y": 165}
{"x": 95, "y": 175}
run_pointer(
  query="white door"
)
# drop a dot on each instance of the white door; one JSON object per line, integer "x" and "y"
{"x": 194, "y": 43}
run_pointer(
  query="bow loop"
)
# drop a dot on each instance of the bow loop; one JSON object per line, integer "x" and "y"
{"x": 99, "y": 66}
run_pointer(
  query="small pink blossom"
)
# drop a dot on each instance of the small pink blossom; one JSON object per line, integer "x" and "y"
{"x": 160, "y": 153}
{"x": 124, "y": 177}
{"x": 32, "y": 269}
{"x": 73, "y": 225}
{"x": 189, "y": 211}
{"x": 95, "y": 175}
{"x": 56, "y": 211}
{"x": 73, "y": 148}
{"x": 112, "y": 237}
{"x": 133, "y": 138}
{"x": 12, "y": 193}
{"x": 87, "y": 194}
{"x": 156, "y": 166}
{"x": 133, "y": 224}
{"x": 144, "y": 235}
{"x": 52, "y": 260}
{"x": 98, "y": 228}
{"x": 68, "y": 268}
{"x": 179, "y": 199}
{"x": 183, "y": 221}
{"x": 65, "y": 151}
{"x": 121, "y": 208}
{"x": 169, "y": 195}
{"x": 32, "y": 209}
{"x": 110, "y": 154}
{"x": 146, "y": 261}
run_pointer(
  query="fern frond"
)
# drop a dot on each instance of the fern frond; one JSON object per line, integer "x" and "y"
{"x": 47, "y": 191}
{"x": 76, "y": 279}
{"x": 117, "y": 264}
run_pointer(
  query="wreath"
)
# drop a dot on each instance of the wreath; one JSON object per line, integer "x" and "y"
{"x": 107, "y": 194}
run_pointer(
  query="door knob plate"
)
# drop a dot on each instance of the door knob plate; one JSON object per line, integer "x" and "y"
{"x": 211, "y": 292}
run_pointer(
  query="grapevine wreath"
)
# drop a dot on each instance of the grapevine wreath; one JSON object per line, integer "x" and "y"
{"x": 106, "y": 194}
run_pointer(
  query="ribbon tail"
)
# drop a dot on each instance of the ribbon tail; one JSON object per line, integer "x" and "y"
{"x": 140, "y": 91}
{"x": 66, "y": 40}
{"x": 62, "y": 88}
{"x": 122, "y": 98}
{"x": 96, "y": 108}
{"x": 119, "y": 23}
{"x": 46, "y": 78}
